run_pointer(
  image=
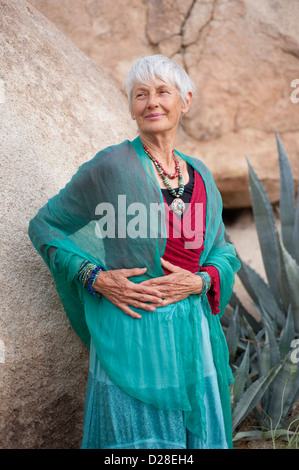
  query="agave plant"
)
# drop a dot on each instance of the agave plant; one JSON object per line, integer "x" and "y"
{"x": 266, "y": 376}
{"x": 280, "y": 249}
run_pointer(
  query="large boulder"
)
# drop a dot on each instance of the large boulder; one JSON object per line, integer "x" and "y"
{"x": 58, "y": 108}
{"x": 243, "y": 56}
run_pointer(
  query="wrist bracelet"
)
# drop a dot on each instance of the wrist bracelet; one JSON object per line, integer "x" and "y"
{"x": 206, "y": 282}
{"x": 92, "y": 279}
{"x": 87, "y": 274}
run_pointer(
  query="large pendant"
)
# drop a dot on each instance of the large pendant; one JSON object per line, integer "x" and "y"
{"x": 177, "y": 206}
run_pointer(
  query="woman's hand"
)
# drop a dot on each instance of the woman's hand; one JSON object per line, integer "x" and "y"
{"x": 115, "y": 286}
{"x": 177, "y": 285}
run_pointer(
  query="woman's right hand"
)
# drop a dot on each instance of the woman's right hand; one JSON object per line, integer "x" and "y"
{"x": 115, "y": 286}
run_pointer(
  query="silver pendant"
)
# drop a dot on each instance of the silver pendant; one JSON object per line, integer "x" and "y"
{"x": 177, "y": 206}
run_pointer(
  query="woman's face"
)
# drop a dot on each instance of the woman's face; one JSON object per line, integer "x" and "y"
{"x": 157, "y": 107}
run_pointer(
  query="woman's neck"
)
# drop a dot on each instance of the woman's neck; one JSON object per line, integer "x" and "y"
{"x": 160, "y": 147}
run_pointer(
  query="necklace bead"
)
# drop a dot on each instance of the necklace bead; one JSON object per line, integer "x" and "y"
{"x": 160, "y": 167}
{"x": 164, "y": 174}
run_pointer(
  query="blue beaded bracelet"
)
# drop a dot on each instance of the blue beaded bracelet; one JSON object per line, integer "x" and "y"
{"x": 87, "y": 274}
{"x": 206, "y": 282}
{"x": 92, "y": 278}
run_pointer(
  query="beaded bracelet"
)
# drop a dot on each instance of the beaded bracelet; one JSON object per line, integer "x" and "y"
{"x": 81, "y": 271}
{"x": 206, "y": 282}
{"x": 92, "y": 278}
{"x": 87, "y": 274}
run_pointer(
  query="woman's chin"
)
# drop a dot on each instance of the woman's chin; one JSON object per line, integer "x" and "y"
{"x": 155, "y": 127}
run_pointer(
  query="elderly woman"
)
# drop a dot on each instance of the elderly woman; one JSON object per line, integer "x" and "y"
{"x": 135, "y": 243}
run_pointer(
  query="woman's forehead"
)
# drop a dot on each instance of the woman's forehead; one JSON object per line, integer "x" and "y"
{"x": 153, "y": 83}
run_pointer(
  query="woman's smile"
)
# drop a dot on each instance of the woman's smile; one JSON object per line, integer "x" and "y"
{"x": 154, "y": 116}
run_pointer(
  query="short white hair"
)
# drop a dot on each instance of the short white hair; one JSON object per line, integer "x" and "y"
{"x": 148, "y": 69}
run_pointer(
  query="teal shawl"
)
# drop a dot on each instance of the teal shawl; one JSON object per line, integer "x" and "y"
{"x": 108, "y": 214}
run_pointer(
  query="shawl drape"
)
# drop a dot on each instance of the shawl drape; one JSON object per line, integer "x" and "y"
{"x": 111, "y": 213}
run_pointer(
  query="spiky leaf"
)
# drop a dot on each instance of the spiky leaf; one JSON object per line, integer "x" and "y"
{"x": 263, "y": 294}
{"x": 287, "y": 334}
{"x": 287, "y": 196}
{"x": 284, "y": 434}
{"x": 254, "y": 323}
{"x": 289, "y": 283}
{"x": 252, "y": 396}
{"x": 296, "y": 232}
{"x": 241, "y": 377}
{"x": 266, "y": 229}
{"x": 283, "y": 392}
{"x": 274, "y": 349}
{"x": 233, "y": 334}
{"x": 270, "y": 350}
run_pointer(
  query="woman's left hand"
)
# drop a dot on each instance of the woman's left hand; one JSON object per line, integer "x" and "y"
{"x": 177, "y": 285}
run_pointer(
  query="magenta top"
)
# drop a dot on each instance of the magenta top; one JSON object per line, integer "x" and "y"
{"x": 185, "y": 239}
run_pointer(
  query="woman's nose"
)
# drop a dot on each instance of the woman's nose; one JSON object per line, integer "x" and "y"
{"x": 152, "y": 100}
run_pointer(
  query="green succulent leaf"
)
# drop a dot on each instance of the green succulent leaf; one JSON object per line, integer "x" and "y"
{"x": 264, "y": 356}
{"x": 275, "y": 357}
{"x": 287, "y": 198}
{"x": 233, "y": 334}
{"x": 263, "y": 294}
{"x": 289, "y": 283}
{"x": 257, "y": 434}
{"x": 252, "y": 396}
{"x": 241, "y": 377}
{"x": 266, "y": 230}
{"x": 287, "y": 334}
{"x": 253, "y": 322}
{"x": 296, "y": 232}
{"x": 282, "y": 393}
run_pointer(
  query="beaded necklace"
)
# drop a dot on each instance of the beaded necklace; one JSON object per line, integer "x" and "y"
{"x": 177, "y": 205}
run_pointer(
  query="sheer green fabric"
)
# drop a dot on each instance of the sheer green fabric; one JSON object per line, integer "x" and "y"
{"x": 111, "y": 213}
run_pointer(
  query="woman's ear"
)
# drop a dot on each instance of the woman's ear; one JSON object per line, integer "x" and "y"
{"x": 188, "y": 100}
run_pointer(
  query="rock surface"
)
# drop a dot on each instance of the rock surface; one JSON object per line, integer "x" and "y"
{"x": 241, "y": 54}
{"x": 58, "y": 108}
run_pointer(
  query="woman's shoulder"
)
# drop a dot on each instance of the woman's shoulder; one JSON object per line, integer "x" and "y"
{"x": 101, "y": 163}
{"x": 111, "y": 151}
{"x": 198, "y": 165}
{"x": 213, "y": 192}
{"x": 105, "y": 158}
